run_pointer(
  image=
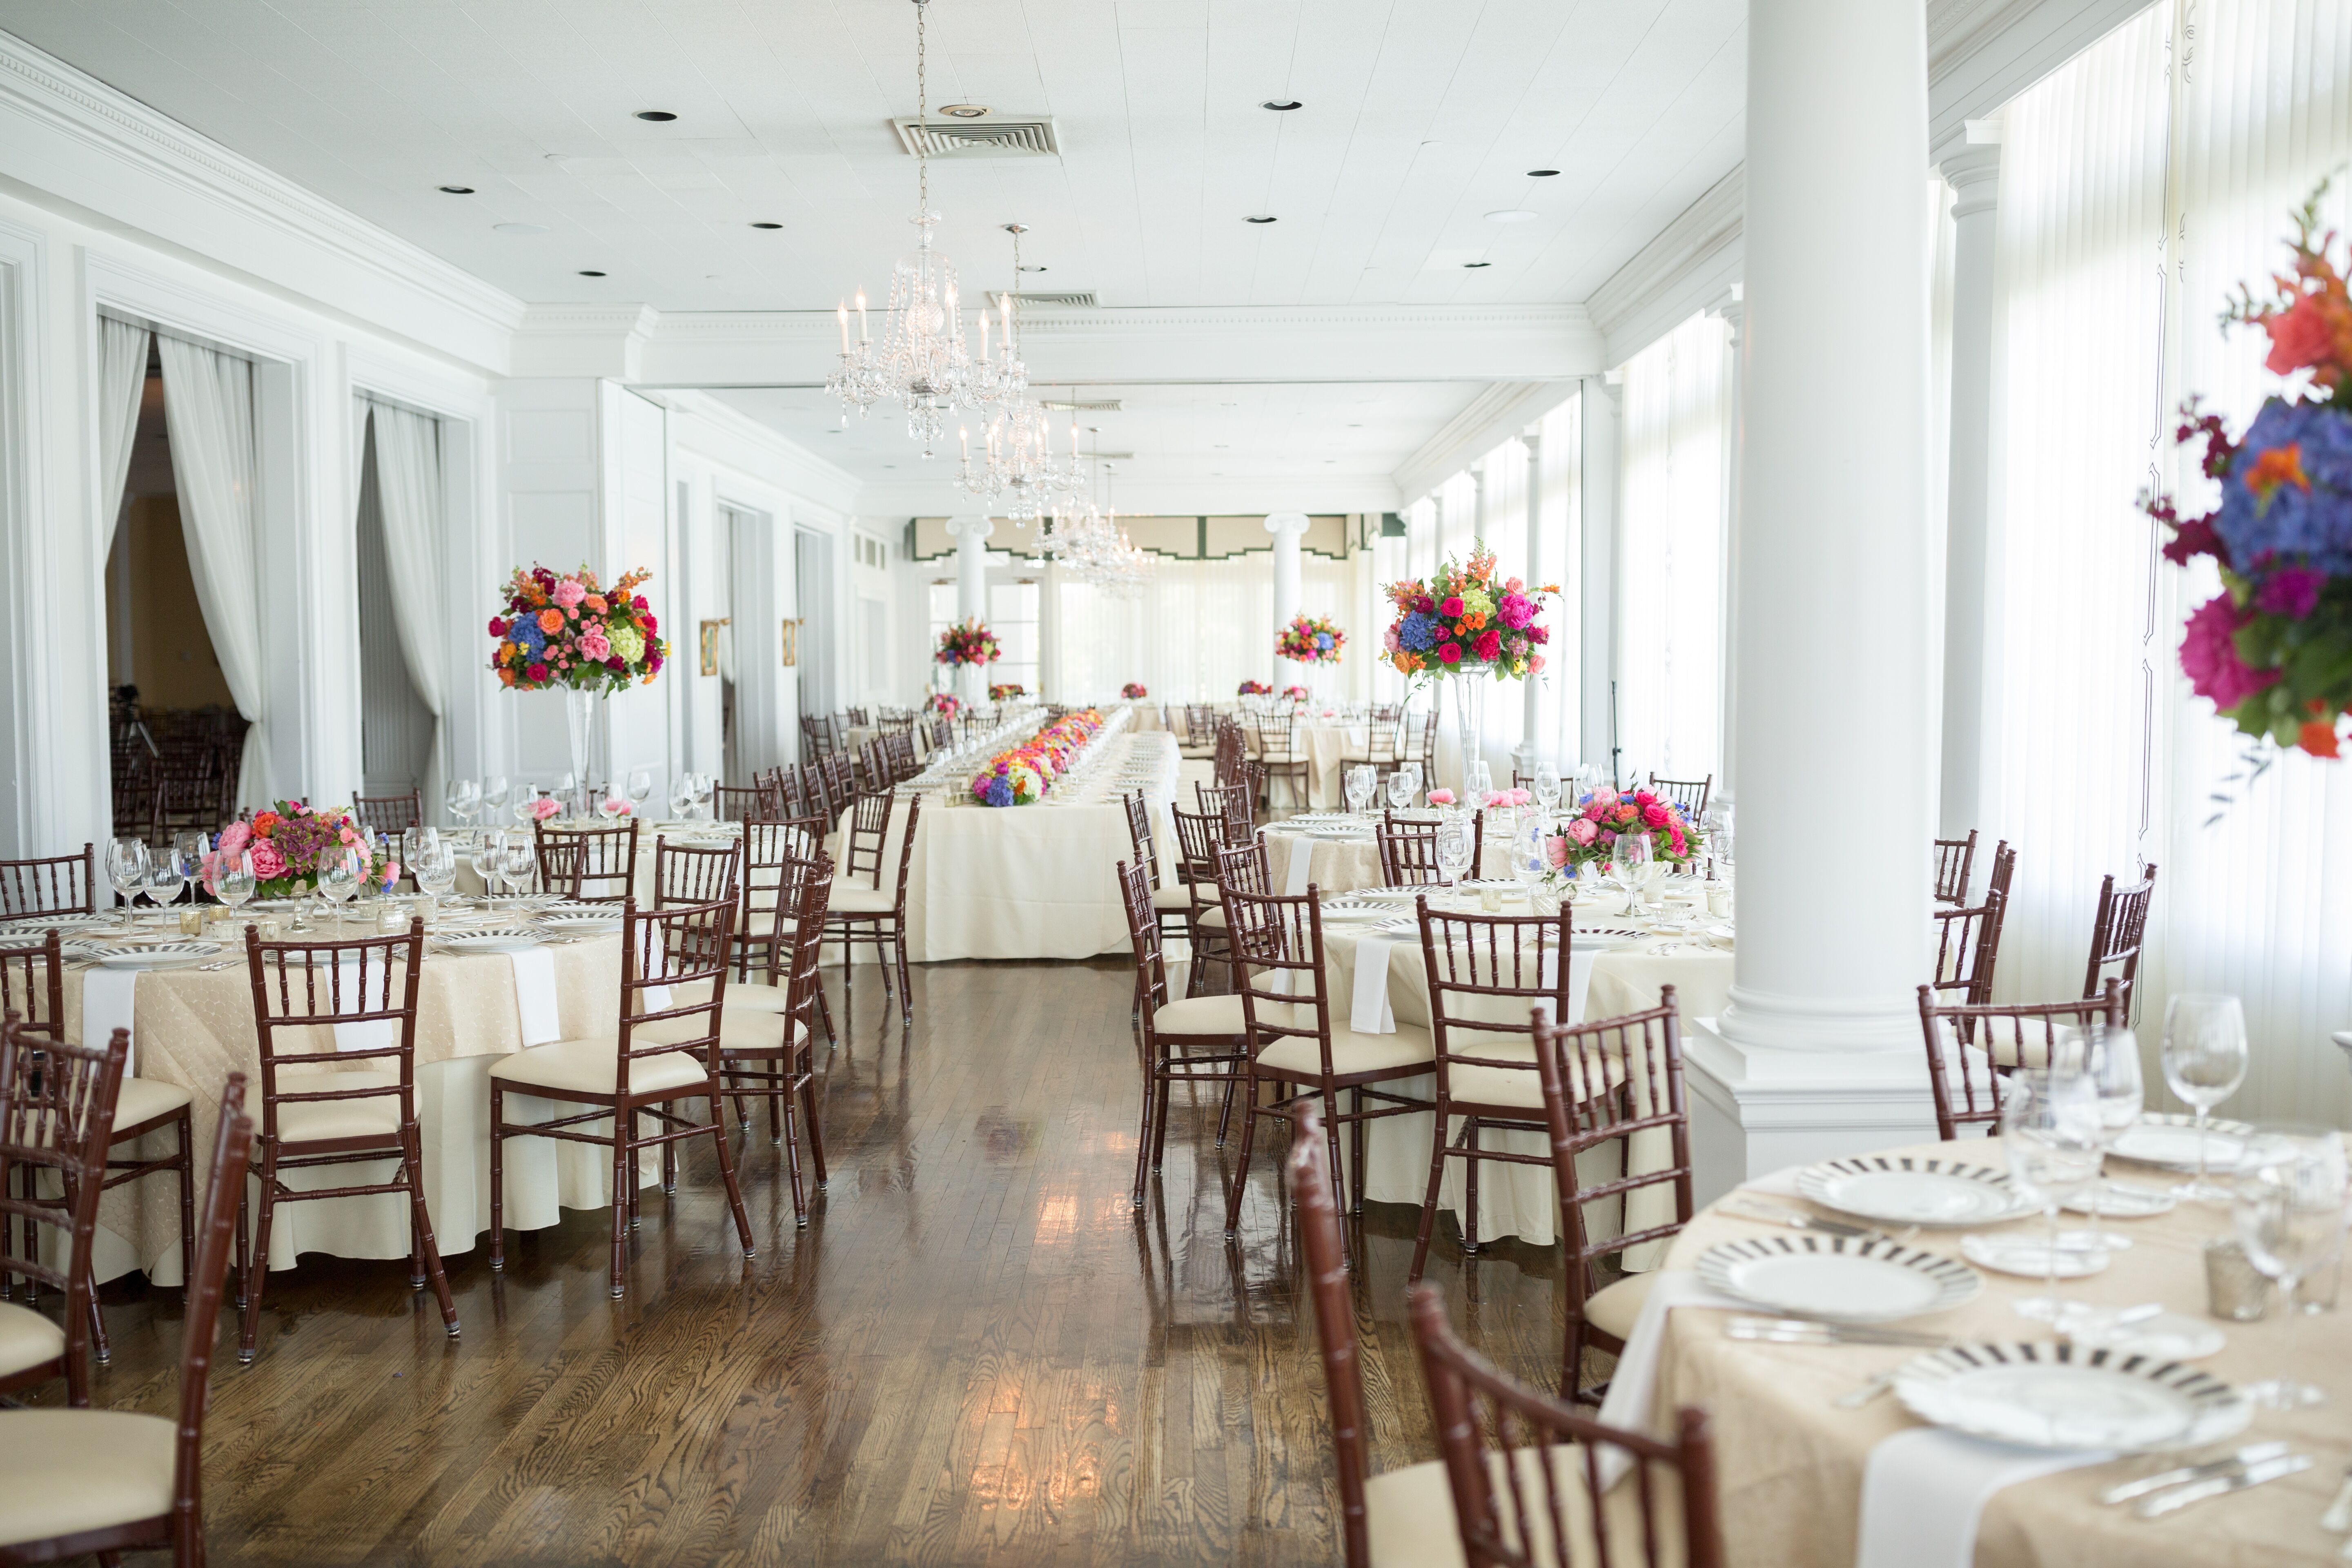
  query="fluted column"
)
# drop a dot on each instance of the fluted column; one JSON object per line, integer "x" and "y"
{"x": 1532, "y": 689}
{"x": 1286, "y": 527}
{"x": 1974, "y": 175}
{"x": 971, "y": 535}
{"x": 1733, "y": 313}
{"x": 1818, "y": 1051}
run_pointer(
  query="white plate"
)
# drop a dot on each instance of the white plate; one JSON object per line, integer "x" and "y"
{"x": 2126, "y": 1200}
{"x": 2170, "y": 1336}
{"x": 2028, "y": 1256}
{"x": 2045, "y": 1396}
{"x": 1607, "y": 938}
{"x": 1907, "y": 1190}
{"x": 1840, "y": 1276}
{"x": 159, "y": 955}
{"x": 1720, "y": 935}
{"x": 2169, "y": 1140}
{"x": 581, "y": 922}
{"x": 494, "y": 939}
{"x": 32, "y": 925}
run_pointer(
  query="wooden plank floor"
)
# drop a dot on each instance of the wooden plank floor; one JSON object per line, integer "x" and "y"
{"x": 975, "y": 1354}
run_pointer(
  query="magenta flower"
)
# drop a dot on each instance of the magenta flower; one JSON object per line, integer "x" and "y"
{"x": 1516, "y": 611}
{"x": 2209, "y": 656}
{"x": 2291, "y": 592}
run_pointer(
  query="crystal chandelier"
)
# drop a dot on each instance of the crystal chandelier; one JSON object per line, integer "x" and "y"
{"x": 1016, "y": 464}
{"x": 920, "y": 363}
{"x": 1000, "y": 381}
{"x": 1086, "y": 541}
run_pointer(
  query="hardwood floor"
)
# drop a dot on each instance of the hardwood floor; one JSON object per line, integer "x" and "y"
{"x": 975, "y": 1354}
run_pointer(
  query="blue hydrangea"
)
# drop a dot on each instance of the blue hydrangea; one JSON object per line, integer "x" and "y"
{"x": 1000, "y": 792}
{"x": 526, "y": 632}
{"x": 1323, "y": 640}
{"x": 2314, "y": 525}
{"x": 1418, "y": 634}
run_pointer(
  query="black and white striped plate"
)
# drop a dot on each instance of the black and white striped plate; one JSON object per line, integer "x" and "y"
{"x": 1896, "y": 1189}
{"x": 2040, "y": 1394}
{"x": 1844, "y": 1278}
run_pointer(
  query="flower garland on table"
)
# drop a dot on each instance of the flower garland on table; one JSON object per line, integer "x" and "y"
{"x": 968, "y": 642}
{"x": 1602, "y": 817}
{"x": 1315, "y": 641}
{"x": 1255, "y": 688}
{"x": 1022, "y": 775}
{"x": 570, "y": 632}
{"x": 1011, "y": 688}
{"x": 287, "y": 841}
{"x": 2273, "y": 650}
{"x": 946, "y": 704}
{"x": 1462, "y": 620}
{"x": 1133, "y": 690}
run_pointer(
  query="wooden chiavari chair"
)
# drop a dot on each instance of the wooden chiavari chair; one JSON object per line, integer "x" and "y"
{"x": 876, "y": 913}
{"x": 56, "y": 1118}
{"x": 764, "y": 920}
{"x": 1967, "y": 944}
{"x": 1485, "y": 971}
{"x": 1971, "y": 1045}
{"x": 190, "y": 795}
{"x": 315, "y": 1114}
{"x": 1281, "y": 751}
{"x": 51, "y": 1508}
{"x": 1688, "y": 795}
{"x": 390, "y": 815}
{"x": 940, "y": 734}
{"x": 1169, "y": 903}
{"x": 1196, "y": 1039}
{"x": 2004, "y": 867}
{"x": 2117, "y": 933}
{"x": 731, "y": 804}
{"x": 857, "y": 719}
{"x": 1200, "y": 737}
{"x": 593, "y": 865}
{"x": 1383, "y": 740}
{"x": 816, "y": 794}
{"x": 791, "y": 800}
{"x": 1955, "y": 858}
{"x": 1531, "y": 1477}
{"x": 1277, "y": 950}
{"x": 1235, "y": 802}
{"x": 1199, "y": 836}
{"x": 898, "y": 746}
{"x": 1407, "y": 850}
{"x": 689, "y": 874}
{"x": 657, "y": 1056}
{"x": 840, "y": 771}
{"x": 1612, "y": 1082}
{"x": 139, "y": 807}
{"x": 54, "y": 885}
{"x": 1231, "y": 752}
{"x": 819, "y": 739}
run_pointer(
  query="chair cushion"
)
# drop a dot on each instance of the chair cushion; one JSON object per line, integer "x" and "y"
{"x": 1200, "y": 1015}
{"x": 304, "y": 1120}
{"x": 142, "y": 1100}
{"x": 850, "y": 898}
{"x": 26, "y": 1338}
{"x": 1515, "y": 1087}
{"x": 589, "y": 1066}
{"x": 1613, "y": 1307}
{"x": 1299, "y": 1057}
{"x": 1213, "y": 920}
{"x": 1172, "y": 895}
{"x": 1409, "y": 1514}
{"x": 742, "y": 996}
{"x": 72, "y": 1470}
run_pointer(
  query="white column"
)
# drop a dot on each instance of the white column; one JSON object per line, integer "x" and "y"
{"x": 1596, "y": 576}
{"x": 1049, "y": 633}
{"x": 1819, "y": 1052}
{"x": 1733, "y": 313}
{"x": 1478, "y": 498}
{"x": 1286, "y": 527}
{"x": 1532, "y": 689}
{"x": 972, "y": 534}
{"x": 1974, "y": 175}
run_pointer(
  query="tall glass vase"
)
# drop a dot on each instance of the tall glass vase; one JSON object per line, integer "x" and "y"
{"x": 1469, "y": 684}
{"x": 580, "y": 711}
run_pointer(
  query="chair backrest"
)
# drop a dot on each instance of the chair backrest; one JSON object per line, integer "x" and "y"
{"x": 1325, "y": 1248}
{"x": 941, "y": 734}
{"x": 1243, "y": 866}
{"x": 390, "y": 815}
{"x": 1967, "y": 944}
{"x": 695, "y": 873}
{"x": 1955, "y": 857}
{"x": 1602, "y": 1081}
{"x": 1279, "y": 943}
{"x": 1138, "y": 836}
{"x": 1689, "y": 795}
{"x": 2004, "y": 867}
{"x": 571, "y": 859}
{"x": 662, "y": 950}
{"x": 2118, "y": 934}
{"x": 840, "y": 770}
{"x": 1408, "y": 852}
{"x": 751, "y": 804}
{"x": 806, "y": 889}
{"x": 766, "y": 898}
{"x": 857, "y": 719}
{"x": 908, "y": 812}
{"x": 1532, "y": 1477}
{"x": 817, "y": 738}
{"x": 1426, "y": 749}
{"x": 785, "y": 783}
{"x": 1972, "y": 1047}
{"x": 57, "y": 1115}
{"x": 216, "y": 1233}
{"x": 1200, "y": 724}
{"x": 1143, "y": 936}
{"x": 310, "y": 985}
{"x": 32, "y": 983}
{"x": 1199, "y": 836}
{"x": 1278, "y": 737}
{"x": 55, "y": 885}
{"x": 1236, "y": 803}
{"x": 1468, "y": 957}
{"x": 869, "y": 832}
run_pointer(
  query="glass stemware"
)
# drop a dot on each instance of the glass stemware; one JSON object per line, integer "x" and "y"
{"x": 484, "y": 860}
{"x": 340, "y": 872}
{"x": 1411, "y": 773}
{"x": 189, "y": 848}
{"x": 681, "y": 799}
{"x": 2049, "y": 1130}
{"x": 2288, "y": 1209}
{"x": 1359, "y": 780}
{"x": 435, "y": 869}
{"x": 703, "y": 783}
{"x": 494, "y": 794}
{"x": 233, "y": 880}
{"x": 126, "y": 868}
{"x": 2204, "y": 1063}
{"x": 1478, "y": 781}
{"x": 461, "y": 798}
{"x": 1630, "y": 858}
{"x": 1546, "y": 788}
{"x": 1453, "y": 846}
{"x": 516, "y": 859}
{"x": 2111, "y": 1058}
{"x": 641, "y": 786}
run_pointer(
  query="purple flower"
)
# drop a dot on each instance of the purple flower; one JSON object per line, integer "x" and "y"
{"x": 2209, "y": 656}
{"x": 2291, "y": 591}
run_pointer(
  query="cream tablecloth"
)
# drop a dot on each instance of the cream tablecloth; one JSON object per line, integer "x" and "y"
{"x": 1790, "y": 1466}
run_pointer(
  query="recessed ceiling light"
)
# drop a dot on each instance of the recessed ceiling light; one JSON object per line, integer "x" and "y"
{"x": 963, "y": 111}
{"x": 1257, "y": 220}
{"x": 1475, "y": 264}
{"x": 457, "y": 190}
{"x": 659, "y": 116}
{"x": 1280, "y": 105}
{"x": 1511, "y": 215}
{"x": 587, "y": 274}
{"x": 1358, "y": 427}
{"x": 767, "y": 225}
{"x": 1541, "y": 173}
{"x": 1220, "y": 445}
{"x": 519, "y": 227}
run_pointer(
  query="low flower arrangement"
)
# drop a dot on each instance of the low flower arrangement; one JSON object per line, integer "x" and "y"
{"x": 1295, "y": 693}
{"x": 946, "y": 704}
{"x": 1315, "y": 641}
{"x": 2273, "y": 650}
{"x": 1022, "y": 775}
{"x": 1463, "y": 621}
{"x": 1255, "y": 688}
{"x": 287, "y": 843}
{"x": 570, "y": 632}
{"x": 968, "y": 642}
{"x": 1008, "y": 690}
{"x": 1133, "y": 690}
{"x": 1602, "y": 817}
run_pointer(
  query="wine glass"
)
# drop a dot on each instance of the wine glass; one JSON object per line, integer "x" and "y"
{"x": 165, "y": 876}
{"x": 463, "y": 799}
{"x": 1546, "y": 788}
{"x": 681, "y": 797}
{"x": 2289, "y": 1213}
{"x": 494, "y": 791}
{"x": 1477, "y": 783}
{"x": 516, "y": 859}
{"x": 2111, "y": 1058}
{"x": 435, "y": 869}
{"x": 416, "y": 844}
{"x": 126, "y": 868}
{"x": 702, "y": 787}
{"x": 340, "y": 872}
{"x": 1411, "y": 773}
{"x": 641, "y": 786}
{"x": 233, "y": 880}
{"x": 189, "y": 848}
{"x": 2204, "y": 1063}
{"x": 1360, "y": 788}
{"x": 2049, "y": 1130}
{"x": 485, "y": 860}
{"x": 611, "y": 806}
{"x": 1630, "y": 858}
{"x": 1453, "y": 846}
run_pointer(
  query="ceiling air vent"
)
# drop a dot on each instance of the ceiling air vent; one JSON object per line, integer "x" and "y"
{"x": 998, "y": 136}
{"x": 1080, "y": 299}
{"x": 1072, "y": 406}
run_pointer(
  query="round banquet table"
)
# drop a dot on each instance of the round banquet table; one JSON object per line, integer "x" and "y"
{"x": 194, "y": 1027}
{"x": 1792, "y": 1466}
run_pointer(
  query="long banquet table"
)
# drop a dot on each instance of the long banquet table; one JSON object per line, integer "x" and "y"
{"x": 1794, "y": 1469}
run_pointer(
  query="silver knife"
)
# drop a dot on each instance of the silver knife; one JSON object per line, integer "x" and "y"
{"x": 2163, "y": 1503}
{"x": 2251, "y": 1453}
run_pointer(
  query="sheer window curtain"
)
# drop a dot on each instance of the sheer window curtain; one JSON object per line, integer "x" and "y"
{"x": 208, "y": 412}
{"x": 121, "y": 379}
{"x": 409, "y": 499}
{"x": 2112, "y": 763}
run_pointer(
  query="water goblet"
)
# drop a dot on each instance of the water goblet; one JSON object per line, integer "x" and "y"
{"x": 494, "y": 791}
{"x": 126, "y": 868}
{"x": 517, "y": 858}
{"x": 2049, "y": 1130}
{"x": 2288, "y": 1210}
{"x": 340, "y": 872}
{"x": 2111, "y": 1058}
{"x": 1632, "y": 858}
{"x": 485, "y": 860}
{"x": 1454, "y": 846}
{"x": 1360, "y": 788}
{"x": 2204, "y": 1062}
{"x": 460, "y": 799}
{"x": 232, "y": 879}
{"x": 641, "y": 786}
{"x": 1546, "y": 788}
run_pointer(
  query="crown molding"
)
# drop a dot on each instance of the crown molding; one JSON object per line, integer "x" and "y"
{"x": 1236, "y": 495}
{"x": 1493, "y": 417}
{"x": 727, "y": 438}
{"x": 1692, "y": 260}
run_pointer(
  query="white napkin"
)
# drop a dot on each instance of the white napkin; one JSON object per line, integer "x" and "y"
{"x": 1302, "y": 865}
{"x": 1925, "y": 1490}
{"x": 107, "y": 996}
{"x": 535, "y": 1003}
{"x": 1370, "y": 1011}
{"x": 376, "y": 1034}
{"x": 1627, "y": 1404}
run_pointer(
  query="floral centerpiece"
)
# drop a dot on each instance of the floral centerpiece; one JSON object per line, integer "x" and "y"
{"x": 1603, "y": 817}
{"x": 2273, "y": 650}
{"x": 1006, "y": 691}
{"x": 968, "y": 642}
{"x": 1315, "y": 641}
{"x": 1133, "y": 690}
{"x": 946, "y": 704}
{"x": 287, "y": 843}
{"x": 569, "y": 632}
{"x": 1022, "y": 776}
{"x": 1255, "y": 688}
{"x": 1295, "y": 693}
{"x": 1463, "y": 621}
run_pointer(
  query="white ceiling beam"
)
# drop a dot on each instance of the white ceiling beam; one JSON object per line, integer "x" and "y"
{"x": 1495, "y": 416}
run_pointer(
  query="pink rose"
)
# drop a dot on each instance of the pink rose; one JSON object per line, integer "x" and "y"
{"x": 267, "y": 862}
{"x": 545, "y": 806}
{"x": 1655, "y": 817}
{"x": 1643, "y": 797}
{"x": 569, "y": 593}
{"x": 1451, "y": 609}
{"x": 1556, "y": 853}
{"x": 1584, "y": 830}
{"x": 347, "y": 836}
{"x": 1514, "y": 612}
{"x": 1518, "y": 797}
{"x": 1441, "y": 797}
{"x": 1603, "y": 797}
{"x": 1535, "y": 661}
{"x": 595, "y": 645}
{"x": 234, "y": 837}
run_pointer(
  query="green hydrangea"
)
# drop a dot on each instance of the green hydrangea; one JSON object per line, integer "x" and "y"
{"x": 629, "y": 642}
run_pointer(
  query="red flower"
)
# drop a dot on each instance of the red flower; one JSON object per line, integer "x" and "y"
{"x": 1537, "y": 635}
{"x": 616, "y": 662}
{"x": 538, "y": 672}
{"x": 2318, "y": 735}
{"x": 2209, "y": 656}
{"x": 1450, "y": 652}
{"x": 1489, "y": 645}
{"x": 647, "y": 622}
{"x": 638, "y": 603}
{"x": 497, "y": 628}
{"x": 1655, "y": 815}
{"x": 2299, "y": 337}
{"x": 654, "y": 662}
{"x": 1451, "y": 609}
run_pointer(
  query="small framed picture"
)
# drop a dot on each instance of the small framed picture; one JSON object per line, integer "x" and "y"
{"x": 710, "y": 631}
{"x": 791, "y": 644}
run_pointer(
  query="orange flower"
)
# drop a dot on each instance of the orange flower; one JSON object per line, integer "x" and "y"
{"x": 1474, "y": 621}
{"x": 595, "y": 603}
{"x": 551, "y": 621}
{"x": 2319, "y": 737}
{"x": 506, "y": 676}
{"x": 2279, "y": 466}
{"x": 263, "y": 823}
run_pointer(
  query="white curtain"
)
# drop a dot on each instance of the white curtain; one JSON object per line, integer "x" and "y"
{"x": 121, "y": 382}
{"x": 2104, "y": 758}
{"x": 1670, "y": 554}
{"x": 1197, "y": 628}
{"x": 208, "y": 411}
{"x": 407, "y": 449}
